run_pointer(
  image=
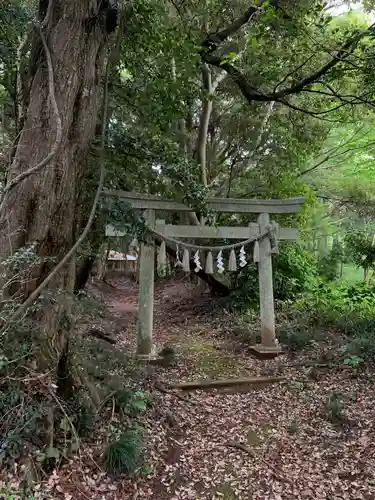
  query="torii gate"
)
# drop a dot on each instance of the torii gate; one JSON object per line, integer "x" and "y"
{"x": 151, "y": 204}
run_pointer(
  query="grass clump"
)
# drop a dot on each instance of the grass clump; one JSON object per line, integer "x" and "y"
{"x": 124, "y": 455}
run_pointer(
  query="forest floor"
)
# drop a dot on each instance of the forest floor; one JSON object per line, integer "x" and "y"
{"x": 296, "y": 444}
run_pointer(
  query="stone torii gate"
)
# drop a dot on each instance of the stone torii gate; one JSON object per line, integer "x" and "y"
{"x": 151, "y": 204}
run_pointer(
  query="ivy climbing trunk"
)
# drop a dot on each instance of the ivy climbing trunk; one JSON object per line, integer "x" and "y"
{"x": 40, "y": 209}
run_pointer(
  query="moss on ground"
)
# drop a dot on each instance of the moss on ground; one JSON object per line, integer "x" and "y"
{"x": 210, "y": 361}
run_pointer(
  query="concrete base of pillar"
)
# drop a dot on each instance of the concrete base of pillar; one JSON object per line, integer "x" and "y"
{"x": 149, "y": 360}
{"x": 264, "y": 352}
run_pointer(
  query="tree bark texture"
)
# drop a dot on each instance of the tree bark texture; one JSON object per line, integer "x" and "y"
{"x": 41, "y": 208}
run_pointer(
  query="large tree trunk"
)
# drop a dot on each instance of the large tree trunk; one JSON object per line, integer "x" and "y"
{"x": 41, "y": 208}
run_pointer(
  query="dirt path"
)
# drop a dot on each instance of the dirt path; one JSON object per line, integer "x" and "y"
{"x": 295, "y": 451}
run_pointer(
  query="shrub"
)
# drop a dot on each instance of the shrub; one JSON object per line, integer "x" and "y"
{"x": 329, "y": 266}
{"x": 294, "y": 271}
{"x": 294, "y": 340}
{"x": 353, "y": 361}
{"x": 362, "y": 335}
{"x": 329, "y": 263}
{"x": 361, "y": 293}
{"x": 12, "y": 494}
{"x": 333, "y": 304}
{"x": 298, "y": 334}
{"x": 349, "y": 308}
{"x": 20, "y": 415}
{"x": 360, "y": 249}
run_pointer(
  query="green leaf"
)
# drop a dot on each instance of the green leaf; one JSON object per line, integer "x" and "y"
{"x": 52, "y": 453}
{"x": 65, "y": 425}
{"x": 147, "y": 469}
{"x": 139, "y": 404}
{"x": 254, "y": 43}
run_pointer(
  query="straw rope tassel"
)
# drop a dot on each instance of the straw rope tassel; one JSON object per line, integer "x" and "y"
{"x": 197, "y": 262}
{"x": 220, "y": 263}
{"x": 186, "y": 261}
{"x": 162, "y": 256}
{"x": 209, "y": 267}
{"x": 232, "y": 264}
{"x": 256, "y": 255}
{"x": 242, "y": 257}
{"x": 178, "y": 262}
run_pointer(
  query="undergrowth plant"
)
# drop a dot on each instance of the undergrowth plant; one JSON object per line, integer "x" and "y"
{"x": 335, "y": 408}
{"x": 20, "y": 417}
{"x": 124, "y": 454}
{"x": 348, "y": 309}
{"x": 129, "y": 402}
{"x": 353, "y": 361}
{"x": 35, "y": 422}
{"x": 14, "y": 495}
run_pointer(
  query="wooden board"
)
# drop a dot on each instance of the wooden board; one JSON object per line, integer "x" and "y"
{"x": 221, "y": 232}
{"x": 207, "y": 232}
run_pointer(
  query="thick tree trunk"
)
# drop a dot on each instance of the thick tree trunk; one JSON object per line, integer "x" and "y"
{"x": 40, "y": 210}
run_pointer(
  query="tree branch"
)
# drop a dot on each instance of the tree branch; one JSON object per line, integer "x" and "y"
{"x": 213, "y": 40}
{"x": 293, "y": 71}
{"x": 313, "y": 113}
{"x": 331, "y": 157}
{"x": 251, "y": 93}
{"x": 341, "y": 55}
{"x": 343, "y": 97}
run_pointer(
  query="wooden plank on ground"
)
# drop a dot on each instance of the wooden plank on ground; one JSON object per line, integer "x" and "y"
{"x": 204, "y": 384}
